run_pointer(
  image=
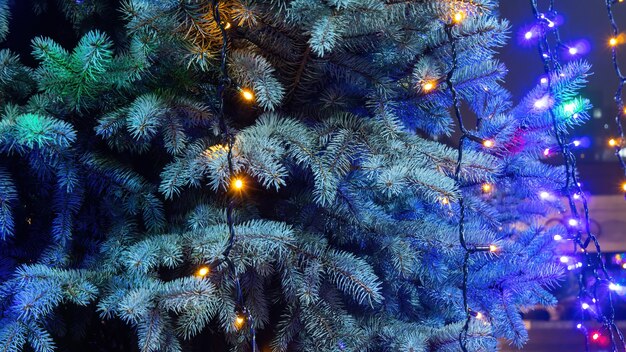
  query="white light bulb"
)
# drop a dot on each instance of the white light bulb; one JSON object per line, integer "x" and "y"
{"x": 542, "y": 103}
{"x": 585, "y": 305}
{"x": 544, "y": 195}
{"x": 558, "y": 237}
{"x": 564, "y": 259}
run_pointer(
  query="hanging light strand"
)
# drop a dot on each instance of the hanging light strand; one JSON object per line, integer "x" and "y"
{"x": 243, "y": 315}
{"x": 552, "y": 65}
{"x": 620, "y": 87}
{"x": 465, "y": 135}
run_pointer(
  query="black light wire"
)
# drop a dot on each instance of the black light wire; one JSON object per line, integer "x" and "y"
{"x": 465, "y": 134}
{"x": 224, "y": 83}
{"x": 551, "y": 65}
{"x": 620, "y": 87}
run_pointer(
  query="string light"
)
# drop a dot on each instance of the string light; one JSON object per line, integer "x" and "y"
{"x": 486, "y": 187}
{"x": 552, "y": 66}
{"x": 624, "y": 186}
{"x": 457, "y": 180}
{"x": 459, "y": 17}
{"x": 569, "y": 108}
{"x": 475, "y": 314}
{"x": 557, "y": 237}
{"x": 612, "y": 142}
{"x": 595, "y": 336}
{"x": 616, "y": 39}
{"x": 428, "y": 86}
{"x": 544, "y": 195}
{"x": 493, "y": 248}
{"x": 202, "y": 271}
{"x": 240, "y": 321}
{"x": 227, "y": 25}
{"x": 488, "y": 143}
{"x": 542, "y": 103}
{"x": 243, "y": 315}
{"x": 619, "y": 102}
{"x": 246, "y": 94}
{"x": 585, "y": 306}
{"x": 237, "y": 184}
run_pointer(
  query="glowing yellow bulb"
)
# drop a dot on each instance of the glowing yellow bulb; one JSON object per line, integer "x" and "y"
{"x": 488, "y": 143}
{"x": 428, "y": 86}
{"x": 240, "y": 321}
{"x": 237, "y": 184}
{"x": 493, "y": 248}
{"x": 202, "y": 271}
{"x": 624, "y": 266}
{"x": 624, "y": 186}
{"x": 612, "y": 142}
{"x": 227, "y": 25}
{"x": 486, "y": 187}
{"x": 458, "y": 17}
{"x": 445, "y": 201}
{"x": 479, "y": 315}
{"x": 613, "y": 41}
{"x": 247, "y": 94}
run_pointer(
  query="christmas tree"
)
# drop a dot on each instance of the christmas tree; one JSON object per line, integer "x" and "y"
{"x": 280, "y": 175}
